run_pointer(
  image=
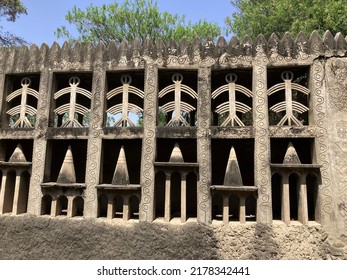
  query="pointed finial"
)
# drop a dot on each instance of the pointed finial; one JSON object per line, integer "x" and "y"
{"x": 176, "y": 154}
{"x": 232, "y": 173}
{"x": 121, "y": 175}
{"x": 18, "y": 155}
{"x": 291, "y": 157}
{"x": 67, "y": 173}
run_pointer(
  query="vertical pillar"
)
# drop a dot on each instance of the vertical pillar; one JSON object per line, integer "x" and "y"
{"x": 184, "y": 198}
{"x": 302, "y": 205}
{"x": 55, "y": 207}
{"x": 242, "y": 209}
{"x": 94, "y": 140}
{"x": 2, "y": 99}
{"x": 285, "y": 205}
{"x": 126, "y": 208}
{"x": 16, "y": 194}
{"x": 331, "y": 122}
{"x": 70, "y": 207}
{"x": 146, "y": 210}
{"x": 204, "y": 199}
{"x": 110, "y": 207}
{"x": 2, "y": 192}
{"x": 226, "y": 209}
{"x": 167, "y": 215}
{"x": 319, "y": 119}
{"x": 262, "y": 173}
{"x": 40, "y": 142}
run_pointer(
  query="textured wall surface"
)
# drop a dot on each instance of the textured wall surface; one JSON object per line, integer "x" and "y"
{"x": 26, "y": 237}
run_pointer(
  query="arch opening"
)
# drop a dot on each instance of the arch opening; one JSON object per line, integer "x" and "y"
{"x": 234, "y": 208}
{"x": 159, "y": 196}
{"x": 78, "y": 207}
{"x": 191, "y": 195}
{"x": 293, "y": 195}
{"x": 276, "y": 191}
{"x": 62, "y": 204}
{"x": 46, "y": 205}
{"x": 102, "y": 206}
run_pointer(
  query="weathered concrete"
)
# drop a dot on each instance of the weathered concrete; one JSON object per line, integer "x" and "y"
{"x": 77, "y": 238}
{"x": 265, "y": 92}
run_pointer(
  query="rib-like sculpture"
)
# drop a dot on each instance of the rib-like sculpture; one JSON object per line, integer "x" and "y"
{"x": 23, "y": 109}
{"x": 177, "y": 105}
{"x": 288, "y": 105}
{"x": 125, "y": 107}
{"x": 232, "y": 106}
{"x": 72, "y": 107}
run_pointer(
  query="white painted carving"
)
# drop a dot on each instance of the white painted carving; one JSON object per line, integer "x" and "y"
{"x": 177, "y": 106}
{"x": 232, "y": 106}
{"x": 289, "y": 105}
{"x": 72, "y": 107}
{"x": 23, "y": 109}
{"x": 125, "y": 107}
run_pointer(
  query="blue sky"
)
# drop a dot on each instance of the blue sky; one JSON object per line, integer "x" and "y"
{"x": 45, "y": 16}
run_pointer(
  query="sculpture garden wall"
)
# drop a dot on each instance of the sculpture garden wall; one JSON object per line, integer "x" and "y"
{"x": 236, "y": 136}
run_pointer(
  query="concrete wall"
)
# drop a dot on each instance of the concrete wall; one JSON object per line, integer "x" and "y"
{"x": 29, "y": 237}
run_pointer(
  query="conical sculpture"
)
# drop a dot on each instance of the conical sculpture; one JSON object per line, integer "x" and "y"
{"x": 67, "y": 173}
{"x": 176, "y": 154}
{"x": 18, "y": 155}
{"x": 232, "y": 173}
{"x": 121, "y": 175}
{"x": 291, "y": 157}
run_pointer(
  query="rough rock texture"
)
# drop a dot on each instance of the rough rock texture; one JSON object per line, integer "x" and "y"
{"x": 29, "y": 237}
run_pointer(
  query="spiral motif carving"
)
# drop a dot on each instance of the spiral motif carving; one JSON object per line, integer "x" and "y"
{"x": 93, "y": 160}
{"x": 203, "y": 142}
{"x": 318, "y": 76}
{"x": 148, "y": 146}
{"x": 262, "y": 158}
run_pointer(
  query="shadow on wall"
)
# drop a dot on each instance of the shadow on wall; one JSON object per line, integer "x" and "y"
{"x": 26, "y": 237}
{"x": 264, "y": 245}
{"x": 29, "y": 237}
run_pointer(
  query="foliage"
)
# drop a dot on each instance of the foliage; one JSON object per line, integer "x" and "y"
{"x": 129, "y": 20}
{"x": 267, "y": 16}
{"x": 10, "y": 10}
{"x": 161, "y": 119}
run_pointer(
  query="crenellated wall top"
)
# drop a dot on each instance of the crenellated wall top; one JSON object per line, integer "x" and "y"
{"x": 199, "y": 53}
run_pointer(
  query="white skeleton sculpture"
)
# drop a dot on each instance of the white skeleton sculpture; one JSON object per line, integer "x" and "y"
{"x": 23, "y": 109}
{"x": 232, "y": 106}
{"x": 72, "y": 107}
{"x": 125, "y": 107}
{"x": 289, "y": 105}
{"x": 177, "y": 106}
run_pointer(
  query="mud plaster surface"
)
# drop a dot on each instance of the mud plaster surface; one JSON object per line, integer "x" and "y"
{"x": 29, "y": 237}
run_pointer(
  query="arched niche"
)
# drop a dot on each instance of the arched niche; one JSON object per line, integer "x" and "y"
{"x": 9, "y": 191}
{"x": 276, "y": 192}
{"x": 46, "y": 205}
{"x": 62, "y": 204}
{"x": 234, "y": 208}
{"x": 77, "y": 206}
{"x": 312, "y": 182}
{"x": 217, "y": 207}
{"x": 191, "y": 195}
{"x": 118, "y": 203}
{"x": 294, "y": 184}
{"x": 251, "y": 208}
{"x": 102, "y": 205}
{"x": 134, "y": 206}
{"x": 159, "y": 195}
{"x": 175, "y": 194}
{"x": 23, "y": 193}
